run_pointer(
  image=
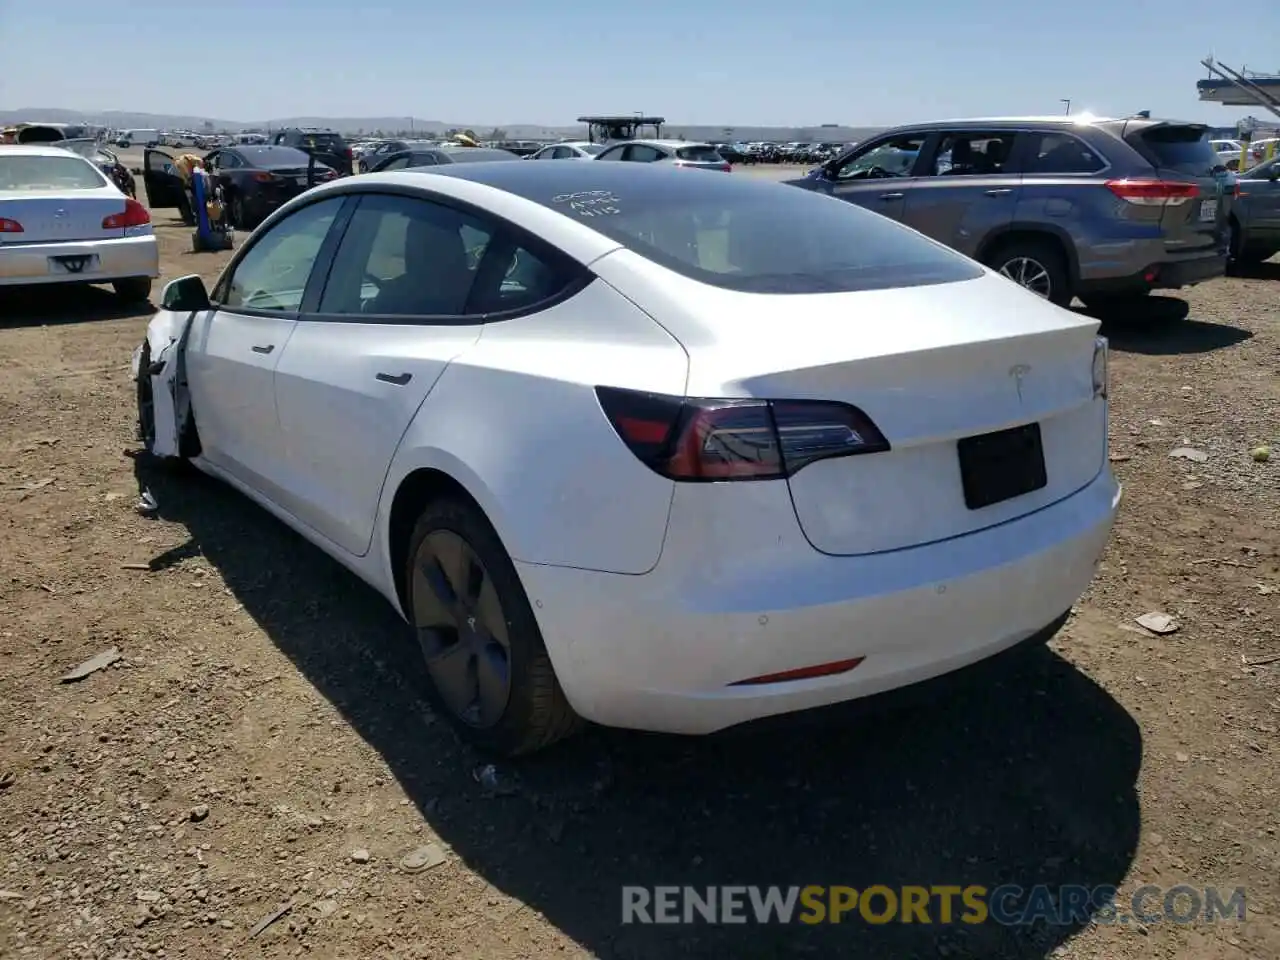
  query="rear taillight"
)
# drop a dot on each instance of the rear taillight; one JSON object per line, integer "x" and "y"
{"x": 1154, "y": 193}
{"x": 133, "y": 215}
{"x": 264, "y": 177}
{"x": 9, "y": 226}
{"x": 726, "y": 167}
{"x": 742, "y": 439}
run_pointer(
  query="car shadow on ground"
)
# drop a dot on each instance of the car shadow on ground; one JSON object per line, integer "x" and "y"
{"x": 58, "y": 304}
{"x": 1162, "y": 326}
{"x": 1022, "y": 772}
{"x": 1267, "y": 270}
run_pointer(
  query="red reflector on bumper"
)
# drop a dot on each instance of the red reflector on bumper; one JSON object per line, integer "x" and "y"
{"x": 804, "y": 673}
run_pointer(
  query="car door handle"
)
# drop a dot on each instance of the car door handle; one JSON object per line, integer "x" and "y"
{"x": 267, "y": 349}
{"x": 892, "y": 196}
{"x": 399, "y": 379}
{"x": 999, "y": 192}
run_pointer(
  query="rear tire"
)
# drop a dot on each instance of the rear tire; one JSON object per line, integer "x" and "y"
{"x": 453, "y": 542}
{"x": 133, "y": 290}
{"x": 1037, "y": 265}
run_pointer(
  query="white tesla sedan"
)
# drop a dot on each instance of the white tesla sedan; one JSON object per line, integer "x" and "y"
{"x": 63, "y": 221}
{"x": 653, "y": 450}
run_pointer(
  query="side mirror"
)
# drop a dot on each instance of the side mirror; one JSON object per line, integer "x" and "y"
{"x": 185, "y": 295}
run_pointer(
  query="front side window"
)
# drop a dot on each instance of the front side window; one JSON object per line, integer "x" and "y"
{"x": 889, "y": 158}
{"x": 272, "y": 275}
{"x": 613, "y": 153}
{"x": 405, "y": 257}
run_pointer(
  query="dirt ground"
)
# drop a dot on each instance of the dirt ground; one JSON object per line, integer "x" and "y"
{"x": 264, "y": 740}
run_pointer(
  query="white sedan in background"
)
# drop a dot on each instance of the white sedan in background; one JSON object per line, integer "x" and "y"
{"x": 652, "y": 450}
{"x": 62, "y": 221}
{"x": 569, "y": 150}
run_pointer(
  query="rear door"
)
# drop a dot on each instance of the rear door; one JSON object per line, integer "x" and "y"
{"x": 1181, "y": 152}
{"x": 389, "y": 320}
{"x": 965, "y": 190}
{"x": 160, "y": 181}
{"x": 879, "y": 174}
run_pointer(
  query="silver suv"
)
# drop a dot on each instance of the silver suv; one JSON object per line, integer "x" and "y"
{"x": 1106, "y": 210}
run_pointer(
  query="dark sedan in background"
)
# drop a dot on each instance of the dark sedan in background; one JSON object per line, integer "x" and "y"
{"x": 255, "y": 180}
{"x": 433, "y": 156}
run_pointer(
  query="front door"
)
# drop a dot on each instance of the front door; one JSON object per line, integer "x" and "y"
{"x": 233, "y": 349}
{"x": 967, "y": 189}
{"x": 878, "y": 175}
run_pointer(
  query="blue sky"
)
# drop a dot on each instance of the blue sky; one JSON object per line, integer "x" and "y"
{"x": 692, "y": 61}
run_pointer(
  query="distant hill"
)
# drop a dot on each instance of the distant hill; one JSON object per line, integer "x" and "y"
{"x": 122, "y": 119}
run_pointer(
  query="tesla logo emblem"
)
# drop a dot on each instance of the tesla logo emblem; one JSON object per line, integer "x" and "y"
{"x": 59, "y": 214}
{"x": 471, "y": 623}
{"x": 1018, "y": 371}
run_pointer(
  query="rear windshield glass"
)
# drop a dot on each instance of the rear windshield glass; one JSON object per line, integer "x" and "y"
{"x": 48, "y": 173}
{"x": 323, "y": 141}
{"x": 475, "y": 154}
{"x": 700, "y": 154}
{"x": 1181, "y": 149}
{"x": 274, "y": 156}
{"x": 747, "y": 235}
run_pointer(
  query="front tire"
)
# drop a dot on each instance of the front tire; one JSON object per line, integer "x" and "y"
{"x": 487, "y": 666}
{"x": 1036, "y": 265}
{"x": 133, "y": 289}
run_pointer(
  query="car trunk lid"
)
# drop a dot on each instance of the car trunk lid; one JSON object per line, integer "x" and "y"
{"x": 932, "y": 367}
{"x": 53, "y": 217}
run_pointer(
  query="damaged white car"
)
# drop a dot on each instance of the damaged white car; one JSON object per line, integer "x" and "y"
{"x": 649, "y": 449}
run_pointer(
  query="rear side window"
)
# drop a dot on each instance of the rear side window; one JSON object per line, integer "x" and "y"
{"x": 755, "y": 237}
{"x": 703, "y": 154}
{"x": 1181, "y": 149}
{"x": 49, "y": 173}
{"x": 1059, "y": 153}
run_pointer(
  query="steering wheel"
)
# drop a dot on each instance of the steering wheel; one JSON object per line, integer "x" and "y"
{"x": 878, "y": 173}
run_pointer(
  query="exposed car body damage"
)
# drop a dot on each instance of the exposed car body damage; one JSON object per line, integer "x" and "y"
{"x": 166, "y": 337}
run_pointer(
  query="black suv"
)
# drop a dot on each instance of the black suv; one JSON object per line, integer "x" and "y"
{"x": 326, "y": 146}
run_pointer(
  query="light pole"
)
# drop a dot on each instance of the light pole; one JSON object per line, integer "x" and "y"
{"x": 1068, "y": 103}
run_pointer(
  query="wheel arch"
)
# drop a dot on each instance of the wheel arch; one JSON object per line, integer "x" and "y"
{"x": 414, "y": 491}
{"x": 1025, "y": 231}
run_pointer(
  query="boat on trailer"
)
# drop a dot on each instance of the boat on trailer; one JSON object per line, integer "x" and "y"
{"x": 621, "y": 127}
{"x": 1240, "y": 93}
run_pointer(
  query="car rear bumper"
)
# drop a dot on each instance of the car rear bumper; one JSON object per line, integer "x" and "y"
{"x": 116, "y": 259}
{"x": 734, "y": 600}
{"x": 1159, "y": 275}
